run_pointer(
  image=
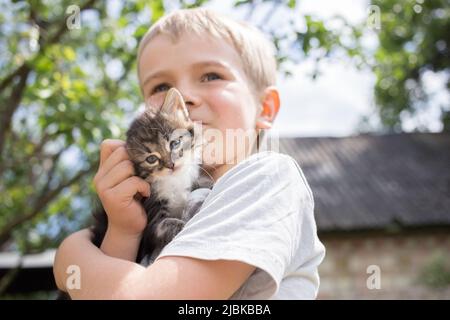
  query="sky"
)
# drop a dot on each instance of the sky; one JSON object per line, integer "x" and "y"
{"x": 334, "y": 103}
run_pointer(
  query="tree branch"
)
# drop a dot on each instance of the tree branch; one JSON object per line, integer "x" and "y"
{"x": 8, "y": 79}
{"x": 11, "y": 106}
{"x": 51, "y": 172}
{"x": 39, "y": 204}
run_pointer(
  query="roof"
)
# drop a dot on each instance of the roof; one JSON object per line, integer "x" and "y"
{"x": 376, "y": 181}
{"x": 35, "y": 274}
{"x": 9, "y": 260}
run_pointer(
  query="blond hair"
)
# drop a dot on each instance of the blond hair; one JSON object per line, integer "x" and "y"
{"x": 257, "y": 52}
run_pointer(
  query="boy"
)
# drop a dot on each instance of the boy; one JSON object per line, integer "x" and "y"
{"x": 254, "y": 236}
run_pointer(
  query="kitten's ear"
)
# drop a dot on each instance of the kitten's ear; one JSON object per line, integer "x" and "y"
{"x": 174, "y": 105}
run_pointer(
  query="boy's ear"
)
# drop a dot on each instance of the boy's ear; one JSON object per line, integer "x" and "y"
{"x": 174, "y": 104}
{"x": 270, "y": 108}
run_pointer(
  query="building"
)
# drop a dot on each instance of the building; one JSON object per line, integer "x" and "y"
{"x": 382, "y": 206}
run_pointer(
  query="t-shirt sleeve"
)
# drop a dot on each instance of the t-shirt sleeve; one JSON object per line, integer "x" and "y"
{"x": 253, "y": 214}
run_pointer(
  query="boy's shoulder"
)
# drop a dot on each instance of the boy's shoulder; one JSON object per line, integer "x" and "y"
{"x": 263, "y": 158}
{"x": 269, "y": 155}
{"x": 270, "y": 161}
{"x": 278, "y": 167}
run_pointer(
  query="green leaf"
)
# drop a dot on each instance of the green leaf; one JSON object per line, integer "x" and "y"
{"x": 291, "y": 4}
{"x": 69, "y": 53}
{"x": 157, "y": 8}
{"x": 242, "y": 2}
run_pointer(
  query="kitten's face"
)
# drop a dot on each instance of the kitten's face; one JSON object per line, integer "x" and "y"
{"x": 162, "y": 142}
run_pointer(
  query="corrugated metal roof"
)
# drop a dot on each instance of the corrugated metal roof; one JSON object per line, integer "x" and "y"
{"x": 371, "y": 182}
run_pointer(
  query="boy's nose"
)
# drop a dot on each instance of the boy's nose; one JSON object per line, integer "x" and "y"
{"x": 191, "y": 105}
{"x": 191, "y": 99}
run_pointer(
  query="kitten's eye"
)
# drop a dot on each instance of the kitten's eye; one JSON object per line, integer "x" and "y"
{"x": 160, "y": 88}
{"x": 174, "y": 144}
{"x": 211, "y": 76}
{"x": 152, "y": 159}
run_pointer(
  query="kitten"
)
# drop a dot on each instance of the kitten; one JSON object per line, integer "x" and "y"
{"x": 164, "y": 150}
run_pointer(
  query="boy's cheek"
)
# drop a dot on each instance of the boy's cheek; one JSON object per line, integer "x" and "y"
{"x": 233, "y": 109}
{"x": 228, "y": 113}
{"x": 154, "y": 101}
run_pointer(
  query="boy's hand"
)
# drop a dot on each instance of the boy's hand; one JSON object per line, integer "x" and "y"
{"x": 116, "y": 186}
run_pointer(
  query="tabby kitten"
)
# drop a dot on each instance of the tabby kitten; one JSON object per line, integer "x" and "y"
{"x": 164, "y": 150}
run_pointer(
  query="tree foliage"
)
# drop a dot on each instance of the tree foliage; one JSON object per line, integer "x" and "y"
{"x": 414, "y": 39}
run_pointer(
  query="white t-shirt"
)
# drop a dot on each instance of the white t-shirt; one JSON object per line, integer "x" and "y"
{"x": 259, "y": 212}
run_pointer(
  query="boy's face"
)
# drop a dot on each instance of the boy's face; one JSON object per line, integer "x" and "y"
{"x": 209, "y": 74}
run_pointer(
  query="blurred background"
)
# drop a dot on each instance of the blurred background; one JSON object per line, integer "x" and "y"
{"x": 365, "y": 111}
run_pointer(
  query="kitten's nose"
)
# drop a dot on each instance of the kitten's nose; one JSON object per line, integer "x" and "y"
{"x": 171, "y": 165}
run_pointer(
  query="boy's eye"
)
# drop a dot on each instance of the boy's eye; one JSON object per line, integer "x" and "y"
{"x": 211, "y": 76}
{"x": 152, "y": 159}
{"x": 160, "y": 88}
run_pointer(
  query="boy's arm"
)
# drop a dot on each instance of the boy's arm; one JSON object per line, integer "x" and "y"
{"x": 116, "y": 244}
{"x": 96, "y": 276}
{"x": 173, "y": 277}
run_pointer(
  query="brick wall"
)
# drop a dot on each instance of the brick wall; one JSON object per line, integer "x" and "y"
{"x": 401, "y": 258}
